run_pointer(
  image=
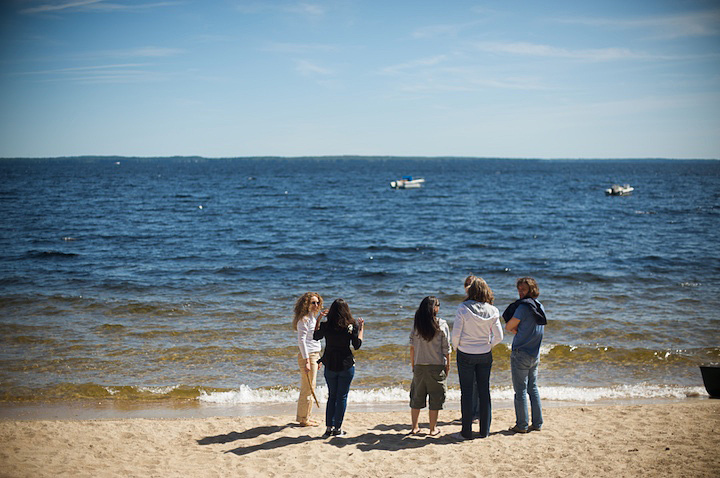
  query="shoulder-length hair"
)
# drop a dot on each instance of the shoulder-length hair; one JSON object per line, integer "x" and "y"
{"x": 468, "y": 280}
{"x": 479, "y": 291}
{"x": 426, "y": 323}
{"x": 302, "y": 306}
{"x": 339, "y": 315}
{"x": 532, "y": 285}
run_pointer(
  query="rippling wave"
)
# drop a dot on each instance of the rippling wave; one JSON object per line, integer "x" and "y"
{"x": 246, "y": 395}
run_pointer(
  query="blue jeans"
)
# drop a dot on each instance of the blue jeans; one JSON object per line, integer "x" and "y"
{"x": 474, "y": 369}
{"x": 524, "y": 369}
{"x": 338, "y": 384}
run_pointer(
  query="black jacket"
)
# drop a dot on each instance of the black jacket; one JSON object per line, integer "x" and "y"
{"x": 534, "y": 306}
{"x": 337, "y": 355}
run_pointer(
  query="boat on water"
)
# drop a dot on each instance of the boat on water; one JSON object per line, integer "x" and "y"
{"x": 617, "y": 190}
{"x": 407, "y": 182}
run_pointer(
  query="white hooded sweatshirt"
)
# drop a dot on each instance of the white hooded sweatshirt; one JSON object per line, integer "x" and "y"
{"x": 477, "y": 327}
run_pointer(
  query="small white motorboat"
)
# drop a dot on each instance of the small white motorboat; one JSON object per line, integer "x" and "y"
{"x": 407, "y": 182}
{"x": 617, "y": 190}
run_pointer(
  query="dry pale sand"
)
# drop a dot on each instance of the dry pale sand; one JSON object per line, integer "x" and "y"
{"x": 664, "y": 440}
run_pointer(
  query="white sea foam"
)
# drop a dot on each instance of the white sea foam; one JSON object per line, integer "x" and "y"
{"x": 620, "y": 392}
{"x": 545, "y": 349}
{"x": 158, "y": 390}
{"x": 247, "y": 395}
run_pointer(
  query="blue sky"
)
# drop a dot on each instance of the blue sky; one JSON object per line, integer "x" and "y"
{"x": 227, "y": 78}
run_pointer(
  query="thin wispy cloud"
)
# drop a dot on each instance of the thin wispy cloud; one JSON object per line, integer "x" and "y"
{"x": 547, "y": 51}
{"x": 58, "y": 6}
{"x": 82, "y": 69}
{"x": 695, "y": 24}
{"x": 124, "y": 72}
{"x": 452, "y": 73}
{"x": 132, "y": 65}
{"x": 452, "y": 30}
{"x": 307, "y": 68}
{"x": 145, "y": 52}
{"x": 213, "y": 38}
{"x": 303, "y": 8}
{"x": 90, "y": 5}
{"x": 470, "y": 79}
{"x": 414, "y": 64}
{"x": 299, "y": 47}
{"x": 307, "y": 9}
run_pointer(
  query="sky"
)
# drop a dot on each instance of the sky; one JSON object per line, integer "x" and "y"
{"x": 235, "y": 78}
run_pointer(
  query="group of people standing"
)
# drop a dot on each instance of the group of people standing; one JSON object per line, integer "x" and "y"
{"x": 476, "y": 330}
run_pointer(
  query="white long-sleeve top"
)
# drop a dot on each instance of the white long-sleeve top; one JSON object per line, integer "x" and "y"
{"x": 305, "y": 329}
{"x": 477, "y": 327}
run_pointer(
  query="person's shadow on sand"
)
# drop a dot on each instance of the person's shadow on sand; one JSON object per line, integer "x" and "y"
{"x": 256, "y": 433}
{"x": 397, "y": 437}
{"x": 246, "y": 435}
{"x": 382, "y": 437}
{"x": 272, "y": 444}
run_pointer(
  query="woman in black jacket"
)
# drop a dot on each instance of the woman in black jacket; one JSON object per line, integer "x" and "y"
{"x": 340, "y": 330}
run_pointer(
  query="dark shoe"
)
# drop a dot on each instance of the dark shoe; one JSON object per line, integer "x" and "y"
{"x": 338, "y": 432}
{"x": 533, "y": 428}
{"x": 460, "y": 436}
{"x": 517, "y": 429}
{"x": 328, "y": 432}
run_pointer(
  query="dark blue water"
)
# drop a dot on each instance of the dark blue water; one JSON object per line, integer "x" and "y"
{"x": 171, "y": 276}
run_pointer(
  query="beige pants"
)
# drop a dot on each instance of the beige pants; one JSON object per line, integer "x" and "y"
{"x": 305, "y": 402}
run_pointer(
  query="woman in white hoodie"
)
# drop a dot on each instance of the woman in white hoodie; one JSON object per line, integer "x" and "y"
{"x": 476, "y": 331}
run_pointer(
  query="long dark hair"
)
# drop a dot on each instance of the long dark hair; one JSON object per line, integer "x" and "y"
{"x": 339, "y": 315}
{"x": 426, "y": 323}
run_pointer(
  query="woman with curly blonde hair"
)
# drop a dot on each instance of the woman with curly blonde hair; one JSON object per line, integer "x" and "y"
{"x": 307, "y": 312}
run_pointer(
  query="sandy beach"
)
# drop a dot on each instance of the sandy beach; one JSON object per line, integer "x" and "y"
{"x": 669, "y": 439}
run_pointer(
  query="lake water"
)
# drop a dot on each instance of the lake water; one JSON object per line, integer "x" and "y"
{"x": 134, "y": 279}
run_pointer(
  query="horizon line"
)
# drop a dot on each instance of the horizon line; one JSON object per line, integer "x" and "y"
{"x": 355, "y": 156}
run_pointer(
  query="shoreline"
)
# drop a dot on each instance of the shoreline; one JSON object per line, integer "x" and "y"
{"x": 191, "y": 409}
{"x": 658, "y": 439}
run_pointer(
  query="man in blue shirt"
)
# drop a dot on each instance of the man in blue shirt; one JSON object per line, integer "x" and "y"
{"x": 526, "y": 319}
